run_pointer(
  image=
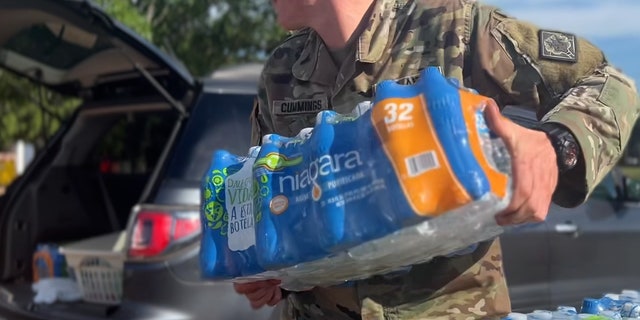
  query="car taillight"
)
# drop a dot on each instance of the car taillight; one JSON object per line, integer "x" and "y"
{"x": 155, "y": 230}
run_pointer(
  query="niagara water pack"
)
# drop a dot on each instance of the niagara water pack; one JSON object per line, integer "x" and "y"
{"x": 414, "y": 174}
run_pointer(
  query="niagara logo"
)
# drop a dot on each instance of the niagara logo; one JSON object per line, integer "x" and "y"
{"x": 321, "y": 167}
{"x": 324, "y": 166}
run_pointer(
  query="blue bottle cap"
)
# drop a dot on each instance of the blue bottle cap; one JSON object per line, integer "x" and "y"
{"x": 591, "y": 306}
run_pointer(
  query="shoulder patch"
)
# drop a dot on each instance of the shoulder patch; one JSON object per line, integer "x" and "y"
{"x": 559, "y": 46}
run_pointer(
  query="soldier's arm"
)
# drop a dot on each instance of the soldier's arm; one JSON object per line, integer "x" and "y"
{"x": 566, "y": 79}
{"x": 261, "y": 123}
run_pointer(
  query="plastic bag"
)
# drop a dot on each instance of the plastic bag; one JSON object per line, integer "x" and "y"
{"x": 414, "y": 176}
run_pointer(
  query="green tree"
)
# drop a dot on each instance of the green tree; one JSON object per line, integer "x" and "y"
{"x": 202, "y": 34}
{"x": 33, "y": 113}
{"x": 29, "y": 112}
{"x": 208, "y": 34}
{"x": 127, "y": 13}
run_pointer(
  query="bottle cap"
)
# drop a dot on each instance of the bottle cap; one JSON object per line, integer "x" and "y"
{"x": 568, "y": 309}
{"x": 591, "y": 306}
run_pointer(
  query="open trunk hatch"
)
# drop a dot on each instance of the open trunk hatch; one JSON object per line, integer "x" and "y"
{"x": 74, "y": 47}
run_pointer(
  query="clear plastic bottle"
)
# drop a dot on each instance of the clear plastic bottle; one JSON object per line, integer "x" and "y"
{"x": 564, "y": 313}
{"x": 611, "y": 314}
{"x": 540, "y": 315}
{"x": 515, "y": 316}
{"x": 629, "y": 295}
{"x": 630, "y": 310}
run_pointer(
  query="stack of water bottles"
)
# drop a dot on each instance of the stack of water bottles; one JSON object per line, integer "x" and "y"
{"x": 412, "y": 175}
{"x": 625, "y": 305}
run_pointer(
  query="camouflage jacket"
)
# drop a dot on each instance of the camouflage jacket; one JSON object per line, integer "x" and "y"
{"x": 563, "y": 77}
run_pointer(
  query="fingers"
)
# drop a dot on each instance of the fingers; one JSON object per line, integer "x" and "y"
{"x": 272, "y": 296}
{"x": 276, "y": 298}
{"x": 260, "y": 293}
{"x": 496, "y": 122}
{"x": 518, "y": 210}
{"x": 244, "y": 288}
{"x": 534, "y": 177}
{"x": 513, "y": 216}
{"x": 527, "y": 203}
{"x": 531, "y": 210}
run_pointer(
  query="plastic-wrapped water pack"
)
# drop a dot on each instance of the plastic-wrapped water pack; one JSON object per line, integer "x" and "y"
{"x": 413, "y": 175}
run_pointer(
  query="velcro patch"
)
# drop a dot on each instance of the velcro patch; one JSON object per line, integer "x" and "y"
{"x": 286, "y": 107}
{"x": 558, "y": 46}
{"x": 614, "y": 94}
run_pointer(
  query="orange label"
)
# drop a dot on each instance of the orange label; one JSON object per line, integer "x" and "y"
{"x": 406, "y": 132}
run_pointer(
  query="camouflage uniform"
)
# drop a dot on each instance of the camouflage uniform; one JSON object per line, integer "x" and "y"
{"x": 564, "y": 77}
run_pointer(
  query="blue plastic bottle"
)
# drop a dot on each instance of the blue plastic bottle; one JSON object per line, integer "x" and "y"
{"x": 614, "y": 309}
{"x": 352, "y": 178}
{"x": 287, "y": 234}
{"x": 453, "y": 139}
{"x": 595, "y": 306}
{"x": 240, "y": 203}
{"x": 228, "y": 197}
{"x": 444, "y": 105}
{"x": 332, "y": 219}
{"x": 356, "y": 198}
{"x": 48, "y": 262}
{"x": 308, "y": 184}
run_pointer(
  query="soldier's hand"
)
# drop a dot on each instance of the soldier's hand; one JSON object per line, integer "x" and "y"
{"x": 534, "y": 169}
{"x": 260, "y": 293}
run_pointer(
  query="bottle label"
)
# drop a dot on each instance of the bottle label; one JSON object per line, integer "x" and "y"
{"x": 434, "y": 136}
{"x": 239, "y": 204}
{"x": 406, "y": 130}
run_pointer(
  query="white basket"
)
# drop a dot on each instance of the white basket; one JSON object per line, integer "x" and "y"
{"x": 97, "y": 266}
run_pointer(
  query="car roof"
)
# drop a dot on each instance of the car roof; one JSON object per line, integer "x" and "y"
{"x": 236, "y": 79}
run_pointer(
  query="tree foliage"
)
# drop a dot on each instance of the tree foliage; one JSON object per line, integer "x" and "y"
{"x": 207, "y": 34}
{"x": 126, "y": 12}
{"x": 33, "y": 113}
{"x": 202, "y": 34}
{"x": 29, "y": 112}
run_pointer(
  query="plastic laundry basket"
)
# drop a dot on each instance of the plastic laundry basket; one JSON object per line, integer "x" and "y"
{"x": 97, "y": 266}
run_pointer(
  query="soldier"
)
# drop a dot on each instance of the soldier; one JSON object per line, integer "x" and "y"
{"x": 341, "y": 49}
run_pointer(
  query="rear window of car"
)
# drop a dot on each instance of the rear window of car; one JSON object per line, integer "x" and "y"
{"x": 134, "y": 143}
{"x": 219, "y": 121}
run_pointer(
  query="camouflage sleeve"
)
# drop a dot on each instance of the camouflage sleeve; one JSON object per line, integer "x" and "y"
{"x": 566, "y": 79}
{"x": 261, "y": 123}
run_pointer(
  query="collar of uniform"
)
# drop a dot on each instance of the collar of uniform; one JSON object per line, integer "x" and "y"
{"x": 315, "y": 54}
{"x": 370, "y": 50}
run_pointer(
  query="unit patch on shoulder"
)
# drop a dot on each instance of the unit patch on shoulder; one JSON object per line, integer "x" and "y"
{"x": 558, "y": 46}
